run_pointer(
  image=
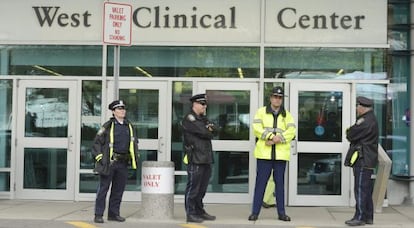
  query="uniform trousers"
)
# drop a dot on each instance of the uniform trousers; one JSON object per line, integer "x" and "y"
{"x": 197, "y": 183}
{"x": 118, "y": 177}
{"x": 364, "y": 185}
{"x": 264, "y": 169}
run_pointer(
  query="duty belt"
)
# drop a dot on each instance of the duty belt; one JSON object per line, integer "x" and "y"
{"x": 120, "y": 157}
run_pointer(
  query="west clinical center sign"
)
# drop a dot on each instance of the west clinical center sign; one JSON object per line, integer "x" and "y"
{"x": 275, "y": 22}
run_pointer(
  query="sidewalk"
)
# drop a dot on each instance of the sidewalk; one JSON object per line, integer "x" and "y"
{"x": 392, "y": 216}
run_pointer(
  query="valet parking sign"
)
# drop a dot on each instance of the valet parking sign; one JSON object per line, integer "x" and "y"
{"x": 117, "y": 24}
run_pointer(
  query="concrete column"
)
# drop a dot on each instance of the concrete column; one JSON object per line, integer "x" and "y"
{"x": 157, "y": 190}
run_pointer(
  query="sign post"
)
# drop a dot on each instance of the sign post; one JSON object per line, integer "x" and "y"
{"x": 117, "y": 26}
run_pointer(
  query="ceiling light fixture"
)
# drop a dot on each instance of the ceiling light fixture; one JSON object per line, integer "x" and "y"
{"x": 46, "y": 70}
{"x": 144, "y": 72}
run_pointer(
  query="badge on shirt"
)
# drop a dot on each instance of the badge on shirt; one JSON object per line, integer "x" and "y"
{"x": 191, "y": 117}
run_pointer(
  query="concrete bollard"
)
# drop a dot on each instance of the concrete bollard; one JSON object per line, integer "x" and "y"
{"x": 381, "y": 180}
{"x": 157, "y": 188}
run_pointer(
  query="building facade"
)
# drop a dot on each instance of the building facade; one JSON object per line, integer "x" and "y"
{"x": 62, "y": 62}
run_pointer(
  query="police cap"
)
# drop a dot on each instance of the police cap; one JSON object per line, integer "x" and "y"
{"x": 366, "y": 102}
{"x": 199, "y": 98}
{"x": 278, "y": 91}
{"x": 115, "y": 104}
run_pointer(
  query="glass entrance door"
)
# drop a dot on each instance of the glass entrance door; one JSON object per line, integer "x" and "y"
{"x": 231, "y": 107}
{"x": 46, "y": 139}
{"x": 147, "y": 109}
{"x": 316, "y": 174}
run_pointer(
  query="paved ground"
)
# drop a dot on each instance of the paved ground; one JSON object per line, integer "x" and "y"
{"x": 65, "y": 214}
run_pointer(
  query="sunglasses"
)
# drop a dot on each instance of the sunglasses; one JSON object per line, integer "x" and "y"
{"x": 202, "y": 103}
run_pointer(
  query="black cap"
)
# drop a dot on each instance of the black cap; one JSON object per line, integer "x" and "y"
{"x": 199, "y": 97}
{"x": 278, "y": 91}
{"x": 366, "y": 102}
{"x": 115, "y": 104}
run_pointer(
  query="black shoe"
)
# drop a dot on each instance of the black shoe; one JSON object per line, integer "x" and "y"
{"x": 116, "y": 218}
{"x": 284, "y": 218}
{"x": 98, "y": 219}
{"x": 206, "y": 216}
{"x": 253, "y": 217}
{"x": 194, "y": 218}
{"x": 348, "y": 221}
{"x": 369, "y": 221}
{"x": 265, "y": 205}
{"x": 355, "y": 222}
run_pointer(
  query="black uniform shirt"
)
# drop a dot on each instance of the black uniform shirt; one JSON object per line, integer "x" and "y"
{"x": 365, "y": 133}
{"x": 121, "y": 137}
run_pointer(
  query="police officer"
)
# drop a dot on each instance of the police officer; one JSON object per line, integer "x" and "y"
{"x": 115, "y": 147}
{"x": 198, "y": 132}
{"x": 363, "y": 136}
{"x": 274, "y": 128}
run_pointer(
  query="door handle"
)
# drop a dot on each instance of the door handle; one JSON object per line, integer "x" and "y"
{"x": 294, "y": 147}
{"x": 70, "y": 143}
{"x": 160, "y": 145}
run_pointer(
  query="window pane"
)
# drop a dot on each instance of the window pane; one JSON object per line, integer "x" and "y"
{"x": 5, "y": 122}
{"x": 325, "y": 63}
{"x": 4, "y": 181}
{"x": 320, "y": 116}
{"x": 142, "y": 110}
{"x": 223, "y": 62}
{"x": 55, "y": 60}
{"x": 45, "y": 168}
{"x": 230, "y": 174}
{"x": 91, "y": 120}
{"x": 88, "y": 183}
{"x": 319, "y": 174}
{"x": 229, "y": 110}
{"x": 181, "y": 93}
{"x": 134, "y": 176}
{"x": 46, "y": 112}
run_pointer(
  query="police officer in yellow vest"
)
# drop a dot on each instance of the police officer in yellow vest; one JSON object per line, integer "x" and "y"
{"x": 115, "y": 148}
{"x": 274, "y": 128}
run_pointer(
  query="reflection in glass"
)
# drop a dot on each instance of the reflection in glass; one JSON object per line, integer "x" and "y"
{"x": 325, "y": 63}
{"x": 319, "y": 174}
{"x": 88, "y": 183}
{"x": 45, "y": 168}
{"x": 230, "y": 112}
{"x": 46, "y": 112}
{"x": 91, "y": 120}
{"x": 230, "y": 174}
{"x": 320, "y": 116}
{"x": 142, "y": 110}
{"x": 88, "y": 133}
{"x": 79, "y": 60}
{"x": 6, "y": 93}
{"x": 181, "y": 94}
{"x": 5, "y": 181}
{"x": 173, "y": 61}
{"x": 134, "y": 176}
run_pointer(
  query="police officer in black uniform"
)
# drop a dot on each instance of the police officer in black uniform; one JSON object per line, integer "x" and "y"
{"x": 198, "y": 132}
{"x": 363, "y": 137}
{"x": 115, "y": 147}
